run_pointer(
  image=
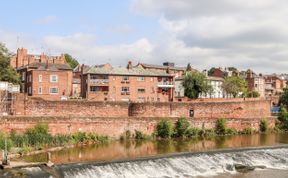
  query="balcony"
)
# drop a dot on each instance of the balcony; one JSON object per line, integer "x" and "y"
{"x": 165, "y": 85}
{"x": 101, "y": 82}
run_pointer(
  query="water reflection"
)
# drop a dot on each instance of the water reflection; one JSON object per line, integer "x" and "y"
{"x": 131, "y": 149}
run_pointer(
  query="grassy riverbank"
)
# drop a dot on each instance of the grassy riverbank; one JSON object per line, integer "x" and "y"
{"x": 38, "y": 138}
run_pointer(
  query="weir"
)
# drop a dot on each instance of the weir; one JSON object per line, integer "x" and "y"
{"x": 206, "y": 164}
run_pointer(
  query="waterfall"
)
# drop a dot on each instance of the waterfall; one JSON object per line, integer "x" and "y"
{"x": 188, "y": 165}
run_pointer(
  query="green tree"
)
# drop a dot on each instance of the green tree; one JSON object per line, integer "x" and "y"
{"x": 181, "y": 127}
{"x": 164, "y": 128}
{"x": 71, "y": 61}
{"x": 252, "y": 94}
{"x": 283, "y": 100}
{"x": 7, "y": 73}
{"x": 234, "y": 85}
{"x": 195, "y": 83}
{"x": 188, "y": 68}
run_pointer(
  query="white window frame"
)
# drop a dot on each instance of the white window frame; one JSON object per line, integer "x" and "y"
{"x": 23, "y": 75}
{"x": 141, "y": 78}
{"x": 51, "y": 93}
{"x": 30, "y": 78}
{"x": 40, "y": 78}
{"x": 51, "y": 78}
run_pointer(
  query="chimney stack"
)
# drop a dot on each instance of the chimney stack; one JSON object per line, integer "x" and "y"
{"x": 129, "y": 66}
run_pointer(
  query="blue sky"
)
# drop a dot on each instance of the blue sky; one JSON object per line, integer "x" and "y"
{"x": 207, "y": 33}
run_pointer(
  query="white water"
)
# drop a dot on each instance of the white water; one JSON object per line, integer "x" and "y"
{"x": 184, "y": 166}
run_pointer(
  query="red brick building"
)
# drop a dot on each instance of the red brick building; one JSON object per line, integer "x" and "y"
{"x": 107, "y": 83}
{"x": 274, "y": 85}
{"x": 255, "y": 82}
{"x": 48, "y": 77}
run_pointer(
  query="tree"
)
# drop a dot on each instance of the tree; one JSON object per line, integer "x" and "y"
{"x": 234, "y": 85}
{"x": 188, "y": 68}
{"x": 194, "y": 84}
{"x": 7, "y": 73}
{"x": 283, "y": 100}
{"x": 211, "y": 71}
{"x": 71, "y": 61}
{"x": 252, "y": 94}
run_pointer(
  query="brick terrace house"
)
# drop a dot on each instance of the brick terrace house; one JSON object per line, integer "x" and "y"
{"x": 273, "y": 85}
{"x": 255, "y": 82}
{"x": 48, "y": 77}
{"x": 131, "y": 83}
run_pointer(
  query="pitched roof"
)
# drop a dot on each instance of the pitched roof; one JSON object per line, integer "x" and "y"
{"x": 136, "y": 71}
{"x": 161, "y": 66}
{"x": 45, "y": 66}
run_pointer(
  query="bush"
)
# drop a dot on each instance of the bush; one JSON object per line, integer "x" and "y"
{"x": 38, "y": 135}
{"x": 181, "y": 127}
{"x": 263, "y": 125}
{"x": 128, "y": 134}
{"x": 231, "y": 131}
{"x": 247, "y": 131}
{"x": 220, "y": 127}
{"x": 164, "y": 129}
{"x": 139, "y": 135}
{"x": 193, "y": 132}
{"x": 209, "y": 133}
{"x": 3, "y": 139}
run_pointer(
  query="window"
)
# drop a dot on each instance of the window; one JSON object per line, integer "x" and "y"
{"x": 191, "y": 113}
{"x": 125, "y": 89}
{"x": 40, "y": 90}
{"x": 54, "y": 90}
{"x": 141, "y": 90}
{"x": 125, "y": 78}
{"x": 30, "y": 78}
{"x": 53, "y": 78}
{"x": 140, "y": 78}
{"x": 23, "y": 75}
{"x": 30, "y": 90}
{"x": 40, "y": 78}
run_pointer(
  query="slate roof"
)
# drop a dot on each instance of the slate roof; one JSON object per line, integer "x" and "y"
{"x": 135, "y": 71}
{"x": 162, "y": 67}
{"x": 44, "y": 66}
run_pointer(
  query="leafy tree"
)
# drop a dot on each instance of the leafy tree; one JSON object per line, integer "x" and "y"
{"x": 283, "y": 100}
{"x": 234, "y": 85}
{"x": 7, "y": 73}
{"x": 181, "y": 127}
{"x": 220, "y": 126}
{"x": 71, "y": 61}
{"x": 164, "y": 128}
{"x": 188, "y": 68}
{"x": 252, "y": 94}
{"x": 194, "y": 84}
{"x": 211, "y": 71}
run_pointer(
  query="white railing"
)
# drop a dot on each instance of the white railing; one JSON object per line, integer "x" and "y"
{"x": 99, "y": 81}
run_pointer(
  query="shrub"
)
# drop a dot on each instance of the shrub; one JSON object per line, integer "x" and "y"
{"x": 247, "y": 131}
{"x": 8, "y": 144}
{"x": 193, "y": 132}
{"x": 139, "y": 135}
{"x": 181, "y": 127}
{"x": 220, "y": 127}
{"x": 164, "y": 129}
{"x": 263, "y": 125}
{"x": 128, "y": 134}
{"x": 38, "y": 135}
{"x": 231, "y": 131}
{"x": 209, "y": 133}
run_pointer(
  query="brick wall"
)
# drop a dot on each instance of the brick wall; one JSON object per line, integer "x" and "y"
{"x": 114, "y": 126}
{"x": 40, "y": 107}
{"x": 204, "y": 109}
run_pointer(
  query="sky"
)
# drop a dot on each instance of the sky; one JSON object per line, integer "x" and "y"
{"x": 206, "y": 33}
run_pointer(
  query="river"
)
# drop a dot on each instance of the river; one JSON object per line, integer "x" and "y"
{"x": 229, "y": 156}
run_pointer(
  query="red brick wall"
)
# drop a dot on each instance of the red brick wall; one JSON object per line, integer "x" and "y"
{"x": 113, "y": 127}
{"x": 228, "y": 109}
{"x": 40, "y": 107}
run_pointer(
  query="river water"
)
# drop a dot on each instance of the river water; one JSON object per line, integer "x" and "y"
{"x": 217, "y": 157}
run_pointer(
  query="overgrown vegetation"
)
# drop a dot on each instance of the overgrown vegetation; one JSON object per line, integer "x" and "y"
{"x": 263, "y": 127}
{"x": 7, "y": 73}
{"x": 220, "y": 126}
{"x": 38, "y": 137}
{"x": 235, "y": 86}
{"x": 164, "y": 129}
{"x": 71, "y": 61}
